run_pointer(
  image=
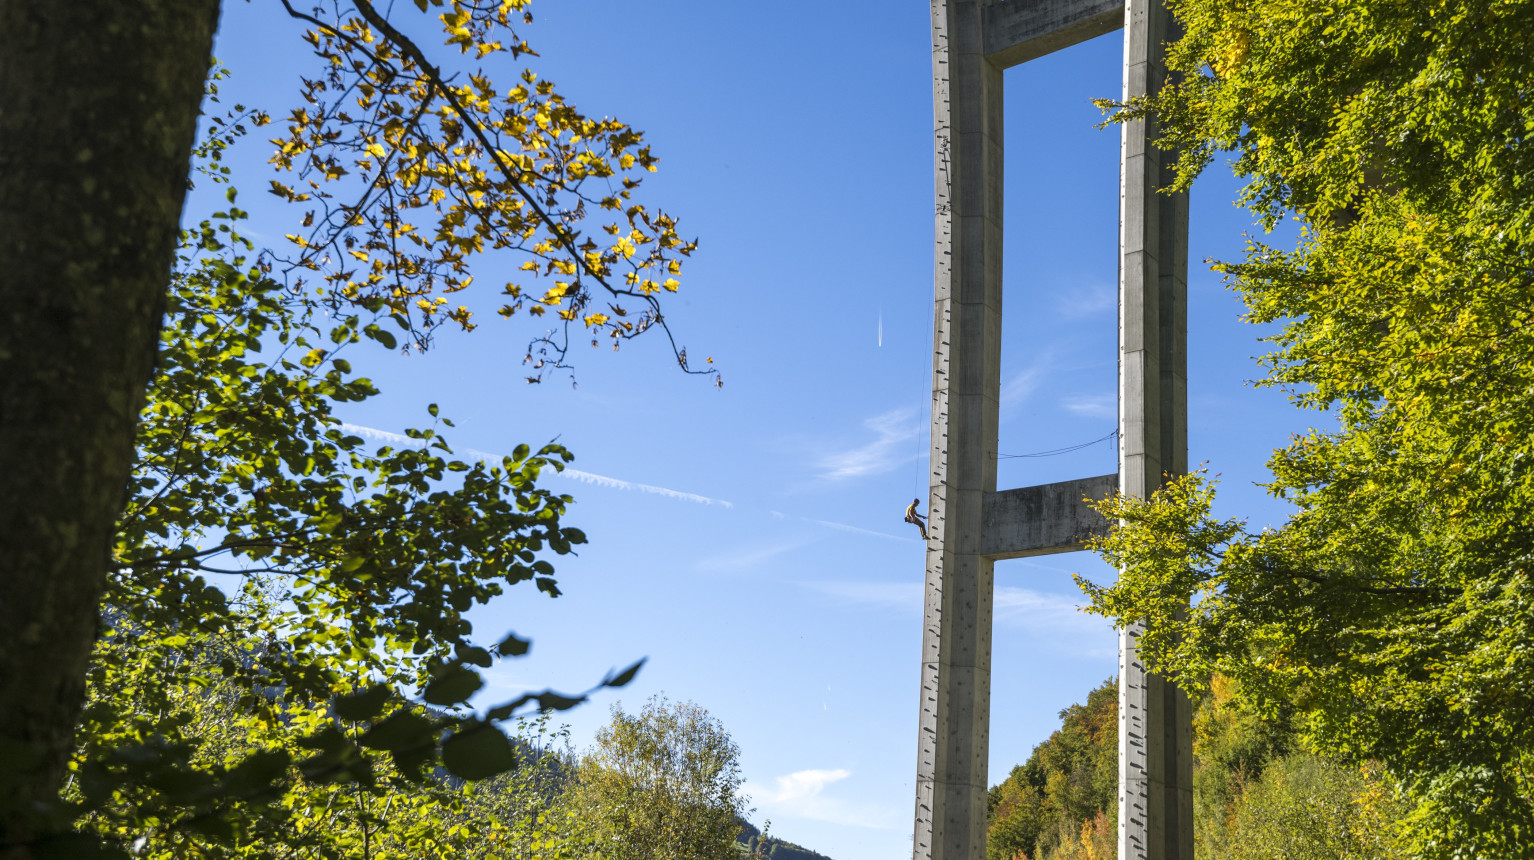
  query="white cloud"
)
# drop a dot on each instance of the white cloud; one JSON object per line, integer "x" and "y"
{"x": 758, "y": 552}
{"x": 1054, "y": 617}
{"x": 1093, "y": 405}
{"x": 1023, "y": 383}
{"x": 883, "y": 595}
{"x": 802, "y": 794}
{"x": 748, "y": 557}
{"x": 890, "y": 448}
{"x": 1039, "y": 612}
{"x": 505, "y": 680}
{"x": 803, "y": 784}
{"x": 1056, "y": 620}
{"x": 572, "y": 474}
{"x": 1074, "y": 304}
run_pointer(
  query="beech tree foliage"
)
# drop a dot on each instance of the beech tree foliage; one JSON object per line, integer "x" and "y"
{"x": 206, "y": 724}
{"x": 407, "y": 175}
{"x": 1395, "y": 607}
{"x": 353, "y": 565}
{"x": 316, "y": 585}
{"x": 662, "y": 784}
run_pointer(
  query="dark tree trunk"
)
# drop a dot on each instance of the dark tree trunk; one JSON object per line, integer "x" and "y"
{"x": 98, "y": 109}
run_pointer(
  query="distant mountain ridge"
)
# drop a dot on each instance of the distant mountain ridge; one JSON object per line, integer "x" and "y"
{"x": 775, "y": 849}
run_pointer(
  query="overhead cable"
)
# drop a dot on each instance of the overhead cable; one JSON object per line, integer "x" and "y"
{"x": 1057, "y": 451}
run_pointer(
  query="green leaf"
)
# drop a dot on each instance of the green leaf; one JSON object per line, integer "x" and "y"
{"x": 261, "y": 769}
{"x": 478, "y": 751}
{"x": 549, "y": 700}
{"x": 474, "y": 656}
{"x": 363, "y": 705}
{"x": 97, "y": 783}
{"x": 453, "y": 685}
{"x": 383, "y": 337}
{"x": 626, "y": 675}
{"x": 401, "y": 730}
{"x": 513, "y": 646}
{"x": 329, "y": 740}
{"x": 76, "y": 846}
{"x": 180, "y": 785}
{"x": 412, "y": 761}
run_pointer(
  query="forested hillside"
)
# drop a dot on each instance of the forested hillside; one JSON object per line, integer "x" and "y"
{"x": 1065, "y": 791}
{"x": 752, "y": 842}
{"x": 1258, "y": 794}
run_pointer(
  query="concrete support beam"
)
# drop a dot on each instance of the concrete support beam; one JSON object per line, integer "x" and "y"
{"x": 1017, "y": 31}
{"x": 1155, "y": 720}
{"x": 1045, "y": 519}
{"x": 954, "y": 747}
{"x": 970, "y": 524}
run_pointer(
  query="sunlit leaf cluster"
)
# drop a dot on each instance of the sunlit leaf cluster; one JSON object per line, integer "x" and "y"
{"x": 244, "y": 469}
{"x": 209, "y": 767}
{"x": 286, "y": 658}
{"x": 1320, "y": 102}
{"x": 1395, "y": 607}
{"x": 416, "y": 178}
{"x": 315, "y": 587}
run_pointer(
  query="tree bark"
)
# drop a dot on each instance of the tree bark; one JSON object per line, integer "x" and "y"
{"x": 98, "y": 109}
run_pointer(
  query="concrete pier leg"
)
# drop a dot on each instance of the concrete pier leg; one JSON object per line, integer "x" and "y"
{"x": 971, "y": 525}
{"x": 966, "y": 384}
{"x": 1155, "y": 723}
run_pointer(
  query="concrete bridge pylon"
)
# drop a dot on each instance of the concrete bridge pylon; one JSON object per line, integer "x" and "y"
{"x": 972, "y": 525}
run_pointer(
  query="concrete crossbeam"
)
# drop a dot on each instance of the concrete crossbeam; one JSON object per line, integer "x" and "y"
{"x": 1044, "y": 519}
{"x": 1017, "y": 31}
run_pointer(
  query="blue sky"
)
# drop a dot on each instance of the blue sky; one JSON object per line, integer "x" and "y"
{"x": 749, "y": 540}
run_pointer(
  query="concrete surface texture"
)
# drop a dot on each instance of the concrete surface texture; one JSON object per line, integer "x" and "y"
{"x": 971, "y": 524}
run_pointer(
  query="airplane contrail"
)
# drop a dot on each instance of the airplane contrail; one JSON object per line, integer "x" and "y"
{"x": 615, "y": 483}
{"x": 843, "y": 527}
{"x": 572, "y": 474}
